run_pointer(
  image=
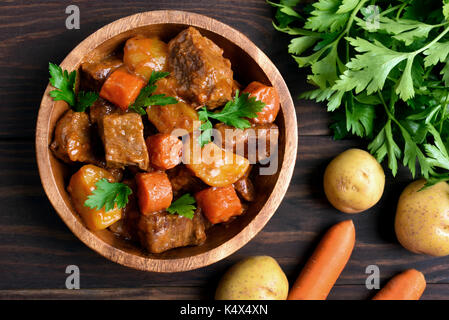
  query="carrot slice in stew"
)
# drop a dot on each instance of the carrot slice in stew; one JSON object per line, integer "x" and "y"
{"x": 219, "y": 204}
{"x": 154, "y": 192}
{"x": 269, "y": 96}
{"x": 122, "y": 88}
{"x": 164, "y": 150}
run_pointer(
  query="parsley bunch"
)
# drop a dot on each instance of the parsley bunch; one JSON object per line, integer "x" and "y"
{"x": 235, "y": 113}
{"x": 382, "y": 67}
{"x": 147, "y": 98}
{"x": 64, "y": 83}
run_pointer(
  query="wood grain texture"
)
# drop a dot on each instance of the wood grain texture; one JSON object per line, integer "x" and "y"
{"x": 341, "y": 292}
{"x": 36, "y": 246}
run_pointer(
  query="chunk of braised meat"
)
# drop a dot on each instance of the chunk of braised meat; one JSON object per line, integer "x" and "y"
{"x": 159, "y": 232}
{"x": 183, "y": 180}
{"x": 254, "y": 143}
{"x": 204, "y": 76}
{"x": 94, "y": 73}
{"x": 245, "y": 188}
{"x": 117, "y": 173}
{"x": 97, "y": 112}
{"x": 72, "y": 138}
{"x": 123, "y": 141}
{"x": 100, "y": 109}
{"x": 165, "y": 151}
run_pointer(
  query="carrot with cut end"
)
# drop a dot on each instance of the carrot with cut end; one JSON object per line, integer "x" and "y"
{"x": 122, "y": 88}
{"x": 326, "y": 264}
{"x": 154, "y": 192}
{"x": 219, "y": 204}
{"x": 408, "y": 285}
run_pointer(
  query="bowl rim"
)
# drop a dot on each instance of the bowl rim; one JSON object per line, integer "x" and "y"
{"x": 256, "y": 224}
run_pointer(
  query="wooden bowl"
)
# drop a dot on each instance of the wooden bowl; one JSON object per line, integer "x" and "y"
{"x": 249, "y": 63}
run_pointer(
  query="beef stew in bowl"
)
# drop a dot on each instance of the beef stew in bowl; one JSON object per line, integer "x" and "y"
{"x": 126, "y": 158}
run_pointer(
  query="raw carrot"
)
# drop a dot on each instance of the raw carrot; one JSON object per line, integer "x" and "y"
{"x": 325, "y": 265}
{"x": 408, "y": 285}
{"x": 122, "y": 88}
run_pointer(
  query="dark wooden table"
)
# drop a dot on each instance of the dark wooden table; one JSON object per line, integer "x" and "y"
{"x": 36, "y": 246}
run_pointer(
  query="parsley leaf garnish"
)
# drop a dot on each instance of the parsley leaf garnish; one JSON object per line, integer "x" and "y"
{"x": 64, "y": 82}
{"x": 146, "y": 97}
{"x": 183, "y": 206}
{"x": 235, "y": 113}
{"x": 108, "y": 194}
{"x": 382, "y": 68}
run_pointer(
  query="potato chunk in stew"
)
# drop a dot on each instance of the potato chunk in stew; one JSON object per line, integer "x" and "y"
{"x": 159, "y": 232}
{"x": 215, "y": 166}
{"x": 173, "y": 116}
{"x": 81, "y": 185}
{"x": 145, "y": 55}
{"x": 72, "y": 140}
{"x": 164, "y": 151}
{"x": 123, "y": 141}
{"x": 219, "y": 204}
{"x": 154, "y": 192}
{"x": 203, "y": 75}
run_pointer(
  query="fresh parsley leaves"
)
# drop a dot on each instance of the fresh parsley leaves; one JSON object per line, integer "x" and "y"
{"x": 235, "y": 113}
{"x": 382, "y": 67}
{"x": 108, "y": 194}
{"x": 146, "y": 97}
{"x": 183, "y": 206}
{"x": 64, "y": 82}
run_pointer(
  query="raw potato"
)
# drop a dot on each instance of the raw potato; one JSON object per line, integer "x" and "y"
{"x": 422, "y": 218}
{"x": 354, "y": 181}
{"x": 255, "y": 278}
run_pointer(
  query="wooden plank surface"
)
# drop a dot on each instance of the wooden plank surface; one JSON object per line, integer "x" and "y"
{"x": 35, "y": 245}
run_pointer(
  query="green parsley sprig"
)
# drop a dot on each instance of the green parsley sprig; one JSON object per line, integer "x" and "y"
{"x": 382, "y": 67}
{"x": 235, "y": 113}
{"x": 183, "y": 206}
{"x": 107, "y": 195}
{"x": 146, "y": 97}
{"x": 64, "y": 82}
